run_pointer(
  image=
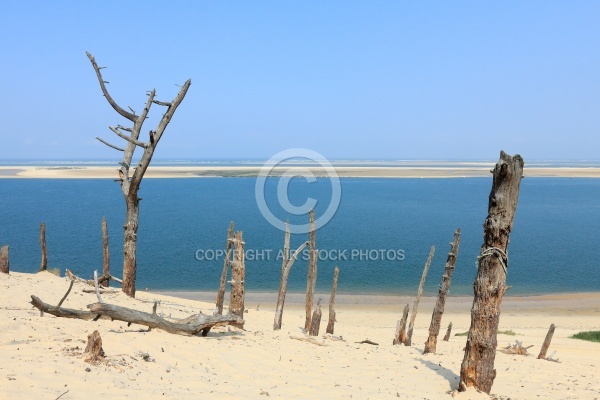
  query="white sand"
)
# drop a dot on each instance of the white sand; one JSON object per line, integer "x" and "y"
{"x": 37, "y": 362}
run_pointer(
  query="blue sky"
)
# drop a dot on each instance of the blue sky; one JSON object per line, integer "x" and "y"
{"x": 358, "y": 80}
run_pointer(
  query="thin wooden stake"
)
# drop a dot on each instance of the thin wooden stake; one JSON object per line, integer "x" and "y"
{"x": 311, "y": 279}
{"x": 413, "y": 316}
{"x": 448, "y": 332}
{"x": 226, "y": 263}
{"x": 547, "y": 341}
{"x": 97, "y": 286}
{"x": 105, "y": 253}
{"x": 44, "y": 263}
{"x": 331, "y": 322}
{"x": 401, "y": 327}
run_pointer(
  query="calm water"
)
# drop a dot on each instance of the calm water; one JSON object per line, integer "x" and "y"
{"x": 554, "y": 244}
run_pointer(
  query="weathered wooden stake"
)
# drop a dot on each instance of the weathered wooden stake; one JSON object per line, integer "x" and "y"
{"x": 316, "y": 321}
{"x": 226, "y": 263}
{"x": 4, "y": 264}
{"x": 438, "y": 311}
{"x": 401, "y": 327}
{"x": 311, "y": 279}
{"x": 105, "y": 252}
{"x": 448, "y": 332}
{"x": 44, "y": 263}
{"x": 236, "y": 303}
{"x": 331, "y": 322}
{"x": 547, "y": 341}
{"x": 413, "y": 316}
{"x": 477, "y": 368}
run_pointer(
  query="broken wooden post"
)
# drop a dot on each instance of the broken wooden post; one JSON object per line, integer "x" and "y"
{"x": 413, "y": 316}
{"x": 44, "y": 263}
{"x": 315, "y": 321}
{"x": 94, "y": 348}
{"x": 448, "y": 332}
{"x": 105, "y": 253}
{"x": 236, "y": 303}
{"x": 311, "y": 279}
{"x": 226, "y": 263}
{"x": 438, "y": 311}
{"x": 477, "y": 368}
{"x": 401, "y": 327}
{"x": 4, "y": 264}
{"x": 547, "y": 341}
{"x": 331, "y": 322}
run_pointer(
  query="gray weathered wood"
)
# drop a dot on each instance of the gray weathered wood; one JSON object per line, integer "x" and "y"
{"x": 226, "y": 264}
{"x": 105, "y": 253}
{"x": 401, "y": 327}
{"x": 236, "y": 303}
{"x": 315, "y": 322}
{"x": 130, "y": 184}
{"x": 94, "y": 348}
{"x": 331, "y": 322}
{"x": 4, "y": 261}
{"x": 438, "y": 311}
{"x": 413, "y": 316}
{"x": 547, "y": 341}
{"x": 44, "y": 263}
{"x": 448, "y": 332}
{"x": 477, "y": 368}
{"x": 311, "y": 279}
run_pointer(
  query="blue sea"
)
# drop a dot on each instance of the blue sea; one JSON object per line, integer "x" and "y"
{"x": 379, "y": 237}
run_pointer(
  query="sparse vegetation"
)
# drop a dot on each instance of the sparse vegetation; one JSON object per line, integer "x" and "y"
{"x": 591, "y": 336}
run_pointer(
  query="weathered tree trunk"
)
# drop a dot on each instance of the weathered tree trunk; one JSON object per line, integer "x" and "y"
{"x": 547, "y": 341}
{"x": 4, "y": 264}
{"x": 477, "y": 368}
{"x": 236, "y": 303}
{"x": 226, "y": 263}
{"x": 413, "y": 316}
{"x": 401, "y": 327}
{"x": 331, "y": 322}
{"x": 94, "y": 348}
{"x": 130, "y": 184}
{"x": 44, "y": 263}
{"x": 105, "y": 252}
{"x": 315, "y": 321}
{"x": 311, "y": 279}
{"x": 438, "y": 311}
{"x": 448, "y": 332}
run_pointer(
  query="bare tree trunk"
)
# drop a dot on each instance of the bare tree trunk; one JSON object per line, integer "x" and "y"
{"x": 401, "y": 327}
{"x": 4, "y": 264}
{"x": 44, "y": 263}
{"x": 547, "y": 341}
{"x": 105, "y": 252}
{"x": 438, "y": 311}
{"x": 413, "y": 316}
{"x": 130, "y": 244}
{"x": 448, "y": 332}
{"x": 226, "y": 263}
{"x": 311, "y": 279}
{"x": 236, "y": 303}
{"x": 315, "y": 321}
{"x": 477, "y": 368}
{"x": 331, "y": 322}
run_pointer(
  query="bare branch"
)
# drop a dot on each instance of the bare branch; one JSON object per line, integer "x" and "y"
{"x": 129, "y": 139}
{"x": 131, "y": 109}
{"x": 123, "y": 128}
{"x": 162, "y": 103}
{"x": 110, "y": 100}
{"x": 110, "y": 145}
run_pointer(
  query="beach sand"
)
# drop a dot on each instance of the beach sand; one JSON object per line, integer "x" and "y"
{"x": 42, "y": 357}
{"x": 414, "y": 171}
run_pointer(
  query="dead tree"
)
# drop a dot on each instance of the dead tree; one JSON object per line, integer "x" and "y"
{"x": 331, "y": 322}
{"x": 413, "y": 316}
{"x": 311, "y": 279}
{"x": 438, "y": 311}
{"x": 226, "y": 264}
{"x": 4, "y": 264}
{"x": 44, "y": 263}
{"x": 448, "y": 332}
{"x": 286, "y": 266}
{"x": 477, "y": 368}
{"x": 547, "y": 341}
{"x": 236, "y": 302}
{"x": 105, "y": 253}
{"x": 130, "y": 184}
{"x": 401, "y": 327}
{"x": 315, "y": 322}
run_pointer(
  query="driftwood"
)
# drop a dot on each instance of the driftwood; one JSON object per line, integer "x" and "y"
{"x": 367, "y": 341}
{"x": 448, "y": 332}
{"x": 315, "y": 322}
{"x": 413, "y": 316}
{"x": 547, "y": 341}
{"x": 401, "y": 327}
{"x": 105, "y": 253}
{"x": 331, "y": 322}
{"x": 226, "y": 264}
{"x": 4, "y": 264}
{"x": 516, "y": 348}
{"x": 309, "y": 340}
{"x": 63, "y": 312}
{"x": 44, "y": 263}
{"x": 477, "y": 369}
{"x": 311, "y": 279}
{"x": 91, "y": 282}
{"x": 438, "y": 311}
{"x": 236, "y": 303}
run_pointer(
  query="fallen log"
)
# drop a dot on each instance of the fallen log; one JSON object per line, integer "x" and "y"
{"x": 62, "y": 312}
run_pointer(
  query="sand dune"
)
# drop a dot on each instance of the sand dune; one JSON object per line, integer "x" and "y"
{"x": 42, "y": 356}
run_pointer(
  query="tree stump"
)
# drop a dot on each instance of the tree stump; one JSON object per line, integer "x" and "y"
{"x": 4, "y": 264}
{"x": 94, "y": 348}
{"x": 547, "y": 341}
{"x": 44, "y": 263}
{"x": 401, "y": 327}
{"x": 477, "y": 368}
{"x": 315, "y": 321}
{"x": 331, "y": 322}
{"x": 236, "y": 303}
{"x": 448, "y": 332}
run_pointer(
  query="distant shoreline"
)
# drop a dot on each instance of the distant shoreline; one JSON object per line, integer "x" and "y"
{"x": 165, "y": 172}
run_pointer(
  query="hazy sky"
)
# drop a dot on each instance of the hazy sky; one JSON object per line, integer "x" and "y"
{"x": 361, "y": 80}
